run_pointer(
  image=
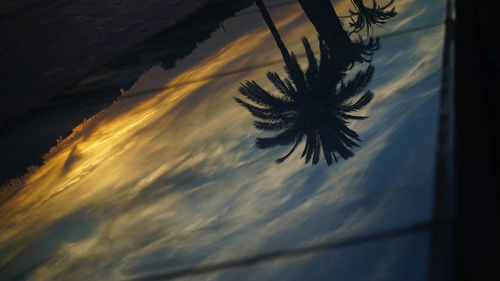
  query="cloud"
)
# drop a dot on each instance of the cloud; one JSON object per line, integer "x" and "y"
{"x": 174, "y": 179}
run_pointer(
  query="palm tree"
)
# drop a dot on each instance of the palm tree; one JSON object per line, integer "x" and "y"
{"x": 329, "y": 27}
{"x": 365, "y": 16}
{"x": 314, "y": 105}
{"x": 274, "y": 31}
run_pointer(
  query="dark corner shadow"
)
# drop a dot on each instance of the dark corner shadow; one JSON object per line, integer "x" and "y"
{"x": 37, "y": 131}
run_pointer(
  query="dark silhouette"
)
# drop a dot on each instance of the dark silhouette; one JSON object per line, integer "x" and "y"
{"x": 329, "y": 27}
{"x": 365, "y": 16}
{"x": 274, "y": 31}
{"x": 314, "y": 105}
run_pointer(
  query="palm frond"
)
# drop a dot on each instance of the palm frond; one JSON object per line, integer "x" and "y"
{"x": 309, "y": 147}
{"x": 354, "y": 117}
{"x": 347, "y": 141}
{"x": 297, "y": 141}
{"x": 363, "y": 51}
{"x": 327, "y": 149}
{"x": 360, "y": 103}
{"x": 366, "y": 17}
{"x": 271, "y": 126}
{"x": 262, "y": 113}
{"x": 286, "y": 89}
{"x": 348, "y": 132}
{"x": 342, "y": 150}
{"x": 330, "y": 72}
{"x": 295, "y": 73}
{"x": 353, "y": 87}
{"x": 255, "y": 93}
{"x": 283, "y": 138}
{"x": 312, "y": 71}
{"x": 325, "y": 62}
{"x": 316, "y": 151}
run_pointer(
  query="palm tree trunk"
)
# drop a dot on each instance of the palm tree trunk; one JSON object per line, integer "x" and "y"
{"x": 274, "y": 32}
{"x": 324, "y": 18}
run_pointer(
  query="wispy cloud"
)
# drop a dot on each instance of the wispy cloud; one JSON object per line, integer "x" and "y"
{"x": 173, "y": 180}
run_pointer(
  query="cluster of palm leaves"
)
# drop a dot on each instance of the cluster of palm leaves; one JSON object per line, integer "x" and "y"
{"x": 360, "y": 52}
{"x": 314, "y": 106}
{"x": 365, "y": 16}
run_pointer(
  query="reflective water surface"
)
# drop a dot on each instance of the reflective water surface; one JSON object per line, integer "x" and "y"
{"x": 280, "y": 132}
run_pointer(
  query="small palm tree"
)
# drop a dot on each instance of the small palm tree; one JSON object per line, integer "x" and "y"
{"x": 347, "y": 52}
{"x": 314, "y": 106}
{"x": 365, "y": 16}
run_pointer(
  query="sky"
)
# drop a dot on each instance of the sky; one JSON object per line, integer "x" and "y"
{"x": 171, "y": 179}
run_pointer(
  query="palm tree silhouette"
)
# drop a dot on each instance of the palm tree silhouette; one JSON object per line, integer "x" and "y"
{"x": 274, "y": 31}
{"x": 365, "y": 16}
{"x": 329, "y": 27}
{"x": 315, "y": 105}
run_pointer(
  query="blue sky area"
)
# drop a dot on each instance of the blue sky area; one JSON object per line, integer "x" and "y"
{"x": 170, "y": 180}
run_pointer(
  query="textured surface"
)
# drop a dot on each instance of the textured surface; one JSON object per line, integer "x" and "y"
{"x": 48, "y": 45}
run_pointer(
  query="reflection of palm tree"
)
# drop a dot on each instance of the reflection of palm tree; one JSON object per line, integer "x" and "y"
{"x": 274, "y": 31}
{"x": 314, "y": 106}
{"x": 328, "y": 25}
{"x": 365, "y": 16}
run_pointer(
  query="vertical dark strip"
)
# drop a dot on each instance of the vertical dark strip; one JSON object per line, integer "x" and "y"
{"x": 441, "y": 262}
{"x": 478, "y": 218}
